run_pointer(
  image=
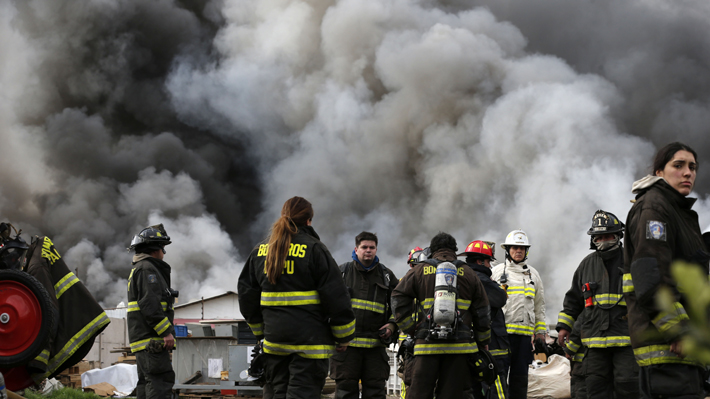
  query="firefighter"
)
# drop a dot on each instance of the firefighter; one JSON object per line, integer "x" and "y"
{"x": 524, "y": 311}
{"x": 150, "y": 313}
{"x": 292, "y": 295}
{"x": 405, "y": 353}
{"x": 479, "y": 255}
{"x": 76, "y": 330}
{"x": 442, "y": 350}
{"x": 662, "y": 228}
{"x": 596, "y": 292}
{"x": 370, "y": 284}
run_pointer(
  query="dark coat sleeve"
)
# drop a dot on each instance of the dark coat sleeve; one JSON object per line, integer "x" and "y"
{"x": 333, "y": 294}
{"x": 249, "y": 291}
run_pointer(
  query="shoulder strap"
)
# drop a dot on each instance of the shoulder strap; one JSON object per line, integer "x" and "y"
{"x": 345, "y": 268}
{"x": 385, "y": 275}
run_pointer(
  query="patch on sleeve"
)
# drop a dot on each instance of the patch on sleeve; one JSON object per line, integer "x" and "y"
{"x": 151, "y": 278}
{"x": 655, "y": 230}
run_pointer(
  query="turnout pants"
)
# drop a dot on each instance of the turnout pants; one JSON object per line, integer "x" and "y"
{"x": 679, "y": 381}
{"x": 294, "y": 377}
{"x": 609, "y": 371}
{"x": 369, "y": 365}
{"x": 155, "y": 375}
{"x": 448, "y": 374}
{"x": 577, "y": 386}
{"x": 521, "y": 357}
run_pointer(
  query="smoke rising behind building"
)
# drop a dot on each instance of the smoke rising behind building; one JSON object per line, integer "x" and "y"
{"x": 398, "y": 117}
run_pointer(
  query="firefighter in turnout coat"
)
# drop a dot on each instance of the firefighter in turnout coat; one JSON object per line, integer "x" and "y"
{"x": 370, "y": 284}
{"x": 596, "y": 291}
{"x": 150, "y": 314}
{"x": 524, "y": 311}
{"x": 441, "y": 363}
{"x": 661, "y": 228}
{"x": 292, "y": 295}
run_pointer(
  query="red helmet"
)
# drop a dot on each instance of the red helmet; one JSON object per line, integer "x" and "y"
{"x": 479, "y": 247}
{"x": 412, "y": 258}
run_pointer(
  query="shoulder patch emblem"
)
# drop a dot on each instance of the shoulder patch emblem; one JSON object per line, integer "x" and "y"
{"x": 151, "y": 278}
{"x": 655, "y": 230}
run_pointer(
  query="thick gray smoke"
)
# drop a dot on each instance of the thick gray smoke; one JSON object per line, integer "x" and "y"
{"x": 402, "y": 118}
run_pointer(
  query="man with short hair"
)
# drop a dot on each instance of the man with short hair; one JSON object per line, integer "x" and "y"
{"x": 150, "y": 314}
{"x": 442, "y": 348}
{"x": 370, "y": 284}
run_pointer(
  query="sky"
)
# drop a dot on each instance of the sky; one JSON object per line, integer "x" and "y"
{"x": 403, "y": 118}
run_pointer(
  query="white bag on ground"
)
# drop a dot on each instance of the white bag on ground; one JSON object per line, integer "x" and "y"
{"x": 551, "y": 380}
{"x": 122, "y": 376}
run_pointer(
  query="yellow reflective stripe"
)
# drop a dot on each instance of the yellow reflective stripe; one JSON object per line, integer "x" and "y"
{"x": 307, "y": 351}
{"x": 521, "y": 290}
{"x": 628, "y": 283}
{"x": 499, "y": 352}
{"x": 565, "y": 319}
{"x": 445, "y": 348}
{"x": 499, "y": 388}
{"x": 661, "y": 354}
{"x": 162, "y": 326}
{"x": 609, "y": 299}
{"x": 573, "y": 347}
{"x": 142, "y": 344}
{"x": 43, "y": 357}
{"x": 79, "y": 339}
{"x": 343, "y": 330}
{"x": 483, "y": 336}
{"x": 65, "y": 283}
{"x": 133, "y": 306}
{"x": 666, "y": 321}
{"x": 364, "y": 342}
{"x": 257, "y": 329}
{"x": 578, "y": 357}
{"x": 463, "y": 304}
{"x": 519, "y": 329}
{"x": 368, "y": 305}
{"x": 130, "y": 278}
{"x": 292, "y": 298}
{"x": 606, "y": 342}
{"x": 428, "y": 303}
{"x": 540, "y": 327}
{"x": 406, "y": 323}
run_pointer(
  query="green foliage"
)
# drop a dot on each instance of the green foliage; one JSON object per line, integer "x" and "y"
{"x": 63, "y": 393}
{"x": 694, "y": 284}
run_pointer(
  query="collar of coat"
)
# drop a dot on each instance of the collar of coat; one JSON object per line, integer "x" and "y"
{"x": 444, "y": 254}
{"x": 641, "y": 186}
{"x": 480, "y": 268}
{"x": 520, "y": 267}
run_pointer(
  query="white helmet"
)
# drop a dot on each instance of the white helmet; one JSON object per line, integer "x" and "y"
{"x": 516, "y": 238}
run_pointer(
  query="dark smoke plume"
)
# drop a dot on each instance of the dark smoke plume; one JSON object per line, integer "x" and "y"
{"x": 402, "y": 118}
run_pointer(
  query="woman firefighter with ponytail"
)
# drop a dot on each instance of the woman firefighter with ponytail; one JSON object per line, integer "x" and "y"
{"x": 292, "y": 295}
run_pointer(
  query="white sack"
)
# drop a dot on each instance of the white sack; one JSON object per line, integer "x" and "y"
{"x": 551, "y": 380}
{"x": 122, "y": 376}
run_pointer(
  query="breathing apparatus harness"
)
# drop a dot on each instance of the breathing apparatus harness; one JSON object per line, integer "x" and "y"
{"x": 444, "y": 318}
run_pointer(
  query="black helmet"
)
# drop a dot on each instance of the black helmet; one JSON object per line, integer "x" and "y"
{"x": 605, "y": 223}
{"x": 151, "y": 238}
{"x": 12, "y": 250}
